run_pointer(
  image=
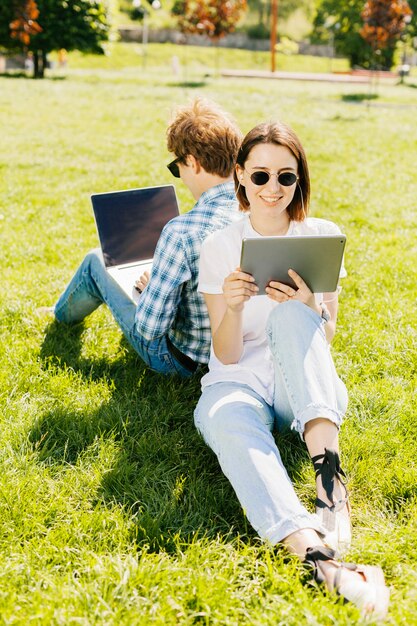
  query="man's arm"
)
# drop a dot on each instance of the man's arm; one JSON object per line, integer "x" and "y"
{"x": 160, "y": 299}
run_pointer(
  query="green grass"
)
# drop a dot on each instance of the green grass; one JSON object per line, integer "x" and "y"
{"x": 196, "y": 59}
{"x": 112, "y": 509}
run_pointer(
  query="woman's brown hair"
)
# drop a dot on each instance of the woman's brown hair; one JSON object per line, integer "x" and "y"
{"x": 279, "y": 134}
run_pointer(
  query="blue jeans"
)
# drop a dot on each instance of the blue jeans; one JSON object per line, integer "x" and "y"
{"x": 92, "y": 286}
{"x": 237, "y": 423}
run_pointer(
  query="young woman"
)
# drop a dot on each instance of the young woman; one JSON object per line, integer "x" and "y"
{"x": 270, "y": 366}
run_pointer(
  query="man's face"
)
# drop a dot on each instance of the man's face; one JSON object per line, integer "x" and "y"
{"x": 189, "y": 170}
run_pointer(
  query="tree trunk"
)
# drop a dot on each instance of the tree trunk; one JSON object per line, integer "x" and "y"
{"x": 44, "y": 63}
{"x": 39, "y": 63}
{"x": 35, "y": 64}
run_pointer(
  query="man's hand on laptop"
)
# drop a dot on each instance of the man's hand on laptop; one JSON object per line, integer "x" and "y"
{"x": 141, "y": 283}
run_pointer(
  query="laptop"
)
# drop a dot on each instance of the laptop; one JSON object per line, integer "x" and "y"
{"x": 129, "y": 224}
{"x": 316, "y": 258}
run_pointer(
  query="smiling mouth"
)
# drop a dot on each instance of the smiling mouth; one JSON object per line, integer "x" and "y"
{"x": 270, "y": 200}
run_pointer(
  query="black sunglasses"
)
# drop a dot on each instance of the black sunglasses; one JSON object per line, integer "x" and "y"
{"x": 173, "y": 167}
{"x": 286, "y": 179}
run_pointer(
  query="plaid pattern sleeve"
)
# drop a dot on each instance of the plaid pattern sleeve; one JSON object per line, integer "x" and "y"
{"x": 171, "y": 304}
{"x": 159, "y": 302}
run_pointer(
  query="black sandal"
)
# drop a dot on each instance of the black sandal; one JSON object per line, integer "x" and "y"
{"x": 370, "y": 594}
{"x": 339, "y": 533}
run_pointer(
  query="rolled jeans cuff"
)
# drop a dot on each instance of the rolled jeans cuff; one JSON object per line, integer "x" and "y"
{"x": 315, "y": 411}
{"x": 277, "y": 533}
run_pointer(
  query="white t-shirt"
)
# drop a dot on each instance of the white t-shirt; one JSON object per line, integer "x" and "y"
{"x": 220, "y": 255}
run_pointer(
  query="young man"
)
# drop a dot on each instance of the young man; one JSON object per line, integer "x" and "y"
{"x": 169, "y": 327}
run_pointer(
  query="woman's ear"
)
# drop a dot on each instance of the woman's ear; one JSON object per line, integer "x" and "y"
{"x": 239, "y": 173}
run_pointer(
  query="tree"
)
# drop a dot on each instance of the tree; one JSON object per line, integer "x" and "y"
{"x": 65, "y": 24}
{"x": 412, "y": 25}
{"x": 25, "y": 25}
{"x": 384, "y": 22}
{"x": 9, "y": 11}
{"x": 345, "y": 20}
{"x": 214, "y": 18}
{"x": 138, "y": 11}
{"x": 286, "y": 8}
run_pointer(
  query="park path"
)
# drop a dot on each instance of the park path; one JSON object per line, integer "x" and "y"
{"x": 354, "y": 77}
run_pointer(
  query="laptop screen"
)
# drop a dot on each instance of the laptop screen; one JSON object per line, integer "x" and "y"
{"x": 129, "y": 222}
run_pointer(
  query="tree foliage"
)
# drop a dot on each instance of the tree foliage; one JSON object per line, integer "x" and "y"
{"x": 214, "y": 18}
{"x": 70, "y": 24}
{"x": 384, "y": 22}
{"x": 25, "y": 25}
{"x": 412, "y": 26}
{"x": 285, "y": 9}
{"x": 342, "y": 21}
{"x": 262, "y": 8}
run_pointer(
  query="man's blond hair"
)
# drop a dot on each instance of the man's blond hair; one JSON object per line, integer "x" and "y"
{"x": 205, "y": 131}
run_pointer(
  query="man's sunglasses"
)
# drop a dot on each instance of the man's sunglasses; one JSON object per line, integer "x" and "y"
{"x": 173, "y": 167}
{"x": 286, "y": 179}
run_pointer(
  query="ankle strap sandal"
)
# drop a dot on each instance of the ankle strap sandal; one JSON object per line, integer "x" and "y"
{"x": 337, "y": 525}
{"x": 367, "y": 591}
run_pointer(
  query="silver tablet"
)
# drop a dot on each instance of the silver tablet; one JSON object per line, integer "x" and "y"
{"x": 316, "y": 258}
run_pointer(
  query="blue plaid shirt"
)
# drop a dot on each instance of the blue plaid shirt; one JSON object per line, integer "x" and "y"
{"x": 170, "y": 303}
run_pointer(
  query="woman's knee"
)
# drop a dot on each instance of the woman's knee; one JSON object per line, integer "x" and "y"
{"x": 213, "y": 416}
{"x": 227, "y": 419}
{"x": 294, "y": 323}
{"x": 291, "y": 314}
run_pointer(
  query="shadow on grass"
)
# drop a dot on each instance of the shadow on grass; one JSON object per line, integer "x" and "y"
{"x": 167, "y": 480}
{"x": 342, "y": 118}
{"x": 62, "y": 348}
{"x": 359, "y": 97}
{"x": 14, "y": 75}
{"x": 163, "y": 474}
{"x": 192, "y": 84}
{"x": 24, "y": 75}
{"x": 129, "y": 389}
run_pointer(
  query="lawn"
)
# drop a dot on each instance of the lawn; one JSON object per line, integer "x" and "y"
{"x": 113, "y": 511}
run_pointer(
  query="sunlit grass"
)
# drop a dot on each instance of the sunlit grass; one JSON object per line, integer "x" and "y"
{"x": 113, "y": 511}
{"x": 127, "y": 55}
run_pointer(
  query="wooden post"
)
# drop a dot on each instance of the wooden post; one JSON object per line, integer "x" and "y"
{"x": 273, "y": 38}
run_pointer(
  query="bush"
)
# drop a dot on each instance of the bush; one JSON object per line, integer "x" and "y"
{"x": 137, "y": 13}
{"x": 258, "y": 31}
{"x": 287, "y": 46}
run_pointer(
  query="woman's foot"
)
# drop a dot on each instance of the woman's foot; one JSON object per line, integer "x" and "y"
{"x": 362, "y": 585}
{"x": 332, "y": 503}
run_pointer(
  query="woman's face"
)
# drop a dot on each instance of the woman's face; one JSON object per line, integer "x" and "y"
{"x": 272, "y": 198}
